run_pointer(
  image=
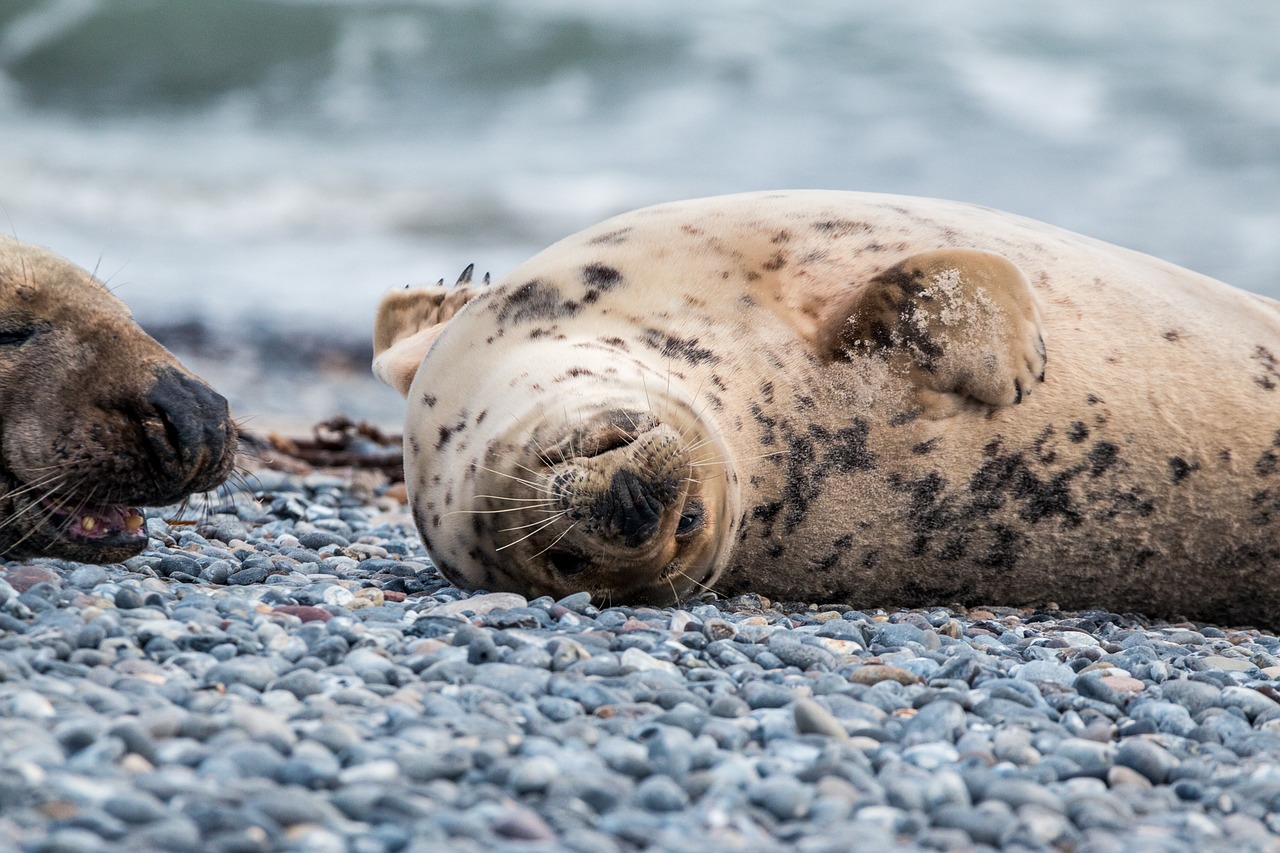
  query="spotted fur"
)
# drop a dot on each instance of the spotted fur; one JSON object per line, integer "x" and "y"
{"x": 869, "y": 399}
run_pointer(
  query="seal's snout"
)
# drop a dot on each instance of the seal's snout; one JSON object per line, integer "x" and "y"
{"x": 188, "y": 430}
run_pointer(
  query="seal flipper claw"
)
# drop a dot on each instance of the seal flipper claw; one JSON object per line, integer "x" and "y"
{"x": 465, "y": 278}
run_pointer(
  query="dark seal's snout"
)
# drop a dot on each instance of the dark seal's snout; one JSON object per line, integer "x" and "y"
{"x": 188, "y": 432}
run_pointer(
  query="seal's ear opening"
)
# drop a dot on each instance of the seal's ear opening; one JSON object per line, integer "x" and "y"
{"x": 408, "y": 323}
{"x": 958, "y": 321}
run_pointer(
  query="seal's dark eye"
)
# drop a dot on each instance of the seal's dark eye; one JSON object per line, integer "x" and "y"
{"x": 15, "y": 337}
{"x": 568, "y": 563}
{"x": 691, "y": 519}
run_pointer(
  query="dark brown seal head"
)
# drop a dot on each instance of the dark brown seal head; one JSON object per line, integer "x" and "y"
{"x": 96, "y": 418}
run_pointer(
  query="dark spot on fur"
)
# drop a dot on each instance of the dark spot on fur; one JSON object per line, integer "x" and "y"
{"x": 429, "y": 400}
{"x": 827, "y": 563}
{"x": 1102, "y": 456}
{"x": 578, "y": 371}
{"x": 752, "y": 275}
{"x": 676, "y": 347}
{"x": 777, "y": 262}
{"x": 804, "y": 401}
{"x": 781, "y": 237}
{"x": 446, "y": 433}
{"x": 617, "y": 343}
{"x": 718, "y": 383}
{"x": 590, "y": 297}
{"x": 1180, "y": 469}
{"x": 1265, "y": 504}
{"x": 1078, "y": 432}
{"x": 842, "y": 227}
{"x": 1173, "y": 336}
{"x": 613, "y": 238}
{"x": 536, "y": 300}
{"x": 414, "y": 444}
{"x": 1092, "y": 400}
{"x": 767, "y": 425}
{"x": 814, "y": 457}
{"x": 601, "y": 277}
{"x": 1009, "y": 543}
{"x": 904, "y": 418}
{"x": 1045, "y": 454}
{"x": 924, "y": 448}
{"x": 1266, "y": 464}
{"x": 1270, "y": 375}
{"x": 766, "y": 392}
{"x": 746, "y": 301}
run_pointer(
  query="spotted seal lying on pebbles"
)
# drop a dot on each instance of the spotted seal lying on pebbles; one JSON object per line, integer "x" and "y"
{"x": 95, "y": 416}
{"x": 835, "y": 396}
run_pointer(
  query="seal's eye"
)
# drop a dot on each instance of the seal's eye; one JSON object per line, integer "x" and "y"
{"x": 691, "y": 520}
{"x": 568, "y": 563}
{"x": 15, "y": 337}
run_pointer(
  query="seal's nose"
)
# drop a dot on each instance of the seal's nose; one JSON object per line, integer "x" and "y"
{"x": 632, "y": 508}
{"x": 190, "y": 431}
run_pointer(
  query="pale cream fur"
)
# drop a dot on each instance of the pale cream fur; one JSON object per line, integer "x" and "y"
{"x": 868, "y": 372}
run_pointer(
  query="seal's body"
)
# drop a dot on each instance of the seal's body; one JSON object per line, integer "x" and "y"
{"x": 844, "y": 397}
{"x": 95, "y": 416}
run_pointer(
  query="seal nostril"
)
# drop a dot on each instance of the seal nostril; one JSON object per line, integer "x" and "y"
{"x": 568, "y": 563}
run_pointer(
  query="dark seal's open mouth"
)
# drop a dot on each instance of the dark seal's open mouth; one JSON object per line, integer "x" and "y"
{"x": 94, "y": 525}
{"x": 72, "y": 528}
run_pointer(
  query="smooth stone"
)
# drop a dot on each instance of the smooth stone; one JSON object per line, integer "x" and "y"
{"x": 1148, "y": 758}
{"x": 482, "y": 604}
{"x": 875, "y": 673}
{"x": 812, "y": 718}
{"x": 1195, "y": 696}
{"x": 23, "y": 578}
{"x": 1226, "y": 663}
{"x": 783, "y": 797}
{"x": 661, "y": 794}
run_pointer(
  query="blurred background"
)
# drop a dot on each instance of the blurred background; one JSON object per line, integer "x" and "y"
{"x": 251, "y": 175}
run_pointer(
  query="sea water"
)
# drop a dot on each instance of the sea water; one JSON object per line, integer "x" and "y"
{"x": 270, "y": 167}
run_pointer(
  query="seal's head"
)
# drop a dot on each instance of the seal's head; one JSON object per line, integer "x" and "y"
{"x": 96, "y": 417}
{"x": 557, "y": 464}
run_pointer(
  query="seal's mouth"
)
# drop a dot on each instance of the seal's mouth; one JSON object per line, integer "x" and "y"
{"x": 92, "y": 525}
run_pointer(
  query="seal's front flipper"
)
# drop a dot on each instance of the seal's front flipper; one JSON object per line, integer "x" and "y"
{"x": 959, "y": 321}
{"x": 408, "y": 323}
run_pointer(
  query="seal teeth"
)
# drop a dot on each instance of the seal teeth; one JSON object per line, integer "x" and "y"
{"x": 88, "y": 522}
{"x": 465, "y": 278}
{"x": 133, "y": 522}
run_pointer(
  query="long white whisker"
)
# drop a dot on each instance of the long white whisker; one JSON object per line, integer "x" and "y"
{"x": 554, "y": 541}
{"x": 550, "y": 521}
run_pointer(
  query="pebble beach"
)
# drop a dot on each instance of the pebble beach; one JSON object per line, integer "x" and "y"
{"x": 283, "y": 669}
